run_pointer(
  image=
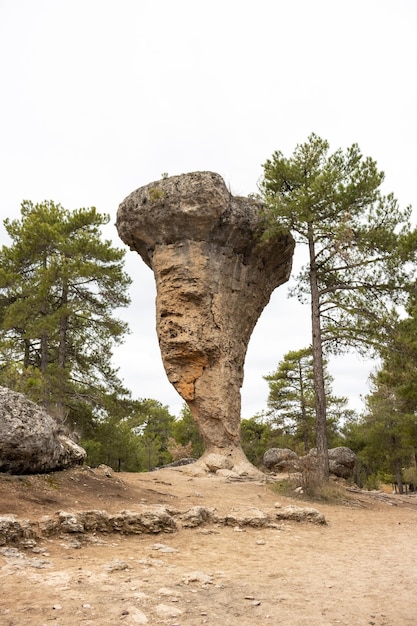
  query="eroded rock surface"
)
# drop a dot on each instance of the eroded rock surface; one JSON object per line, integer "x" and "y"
{"x": 280, "y": 459}
{"x": 214, "y": 276}
{"x": 146, "y": 520}
{"x": 342, "y": 461}
{"x": 30, "y": 439}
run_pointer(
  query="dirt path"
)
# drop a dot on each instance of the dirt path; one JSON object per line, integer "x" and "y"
{"x": 359, "y": 569}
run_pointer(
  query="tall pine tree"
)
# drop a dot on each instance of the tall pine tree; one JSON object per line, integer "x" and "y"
{"x": 60, "y": 283}
{"x": 359, "y": 245}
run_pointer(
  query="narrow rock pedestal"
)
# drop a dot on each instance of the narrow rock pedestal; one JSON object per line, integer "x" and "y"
{"x": 214, "y": 275}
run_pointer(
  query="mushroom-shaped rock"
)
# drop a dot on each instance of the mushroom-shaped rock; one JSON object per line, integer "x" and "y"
{"x": 214, "y": 275}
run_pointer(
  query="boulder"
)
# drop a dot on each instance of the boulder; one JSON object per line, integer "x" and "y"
{"x": 342, "y": 461}
{"x": 300, "y": 514}
{"x": 280, "y": 459}
{"x": 214, "y": 275}
{"x": 31, "y": 441}
{"x": 247, "y": 516}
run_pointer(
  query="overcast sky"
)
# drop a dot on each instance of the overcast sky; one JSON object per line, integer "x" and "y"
{"x": 100, "y": 97}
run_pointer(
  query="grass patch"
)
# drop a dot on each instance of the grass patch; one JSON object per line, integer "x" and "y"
{"x": 52, "y": 482}
{"x": 309, "y": 487}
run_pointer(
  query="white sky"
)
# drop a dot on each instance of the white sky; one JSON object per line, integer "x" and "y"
{"x": 100, "y": 97}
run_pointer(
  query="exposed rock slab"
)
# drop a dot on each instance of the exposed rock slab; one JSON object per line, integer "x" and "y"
{"x": 31, "y": 441}
{"x": 214, "y": 275}
{"x": 146, "y": 520}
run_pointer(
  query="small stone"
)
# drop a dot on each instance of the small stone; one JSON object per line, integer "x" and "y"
{"x": 164, "y": 611}
{"x": 136, "y": 616}
{"x": 172, "y": 593}
{"x": 260, "y": 542}
{"x": 57, "y": 607}
{"x": 117, "y": 566}
{"x": 163, "y": 548}
{"x": 198, "y": 577}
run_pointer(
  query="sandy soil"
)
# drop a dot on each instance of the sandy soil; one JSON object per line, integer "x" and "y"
{"x": 359, "y": 569}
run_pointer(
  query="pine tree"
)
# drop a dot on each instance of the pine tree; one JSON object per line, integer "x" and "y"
{"x": 360, "y": 245}
{"x": 291, "y": 399}
{"x": 60, "y": 283}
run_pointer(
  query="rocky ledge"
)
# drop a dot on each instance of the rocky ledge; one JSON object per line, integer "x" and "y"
{"x": 145, "y": 520}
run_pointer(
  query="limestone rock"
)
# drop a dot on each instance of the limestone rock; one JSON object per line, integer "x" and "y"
{"x": 196, "y": 516}
{"x": 280, "y": 459}
{"x": 31, "y": 441}
{"x": 214, "y": 275}
{"x": 247, "y": 516}
{"x": 342, "y": 461}
{"x": 13, "y": 530}
{"x": 299, "y": 514}
{"x": 217, "y": 462}
{"x": 146, "y": 520}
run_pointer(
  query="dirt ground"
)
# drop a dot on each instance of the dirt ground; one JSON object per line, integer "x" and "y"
{"x": 358, "y": 569}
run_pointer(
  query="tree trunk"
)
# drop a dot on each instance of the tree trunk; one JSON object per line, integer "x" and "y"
{"x": 44, "y": 353}
{"x": 63, "y": 328}
{"x": 318, "y": 369}
{"x": 303, "y": 409}
{"x": 44, "y": 335}
{"x": 26, "y": 358}
{"x": 398, "y": 476}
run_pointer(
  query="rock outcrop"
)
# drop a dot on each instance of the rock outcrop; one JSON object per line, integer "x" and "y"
{"x": 280, "y": 459}
{"x": 145, "y": 520}
{"x": 342, "y": 461}
{"x": 30, "y": 439}
{"x": 214, "y": 275}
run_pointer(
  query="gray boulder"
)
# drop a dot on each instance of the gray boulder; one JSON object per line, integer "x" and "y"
{"x": 280, "y": 459}
{"x": 31, "y": 441}
{"x": 342, "y": 461}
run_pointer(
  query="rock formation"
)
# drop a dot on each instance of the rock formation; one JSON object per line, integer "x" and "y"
{"x": 30, "y": 440}
{"x": 144, "y": 520}
{"x": 280, "y": 459}
{"x": 342, "y": 461}
{"x": 214, "y": 276}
